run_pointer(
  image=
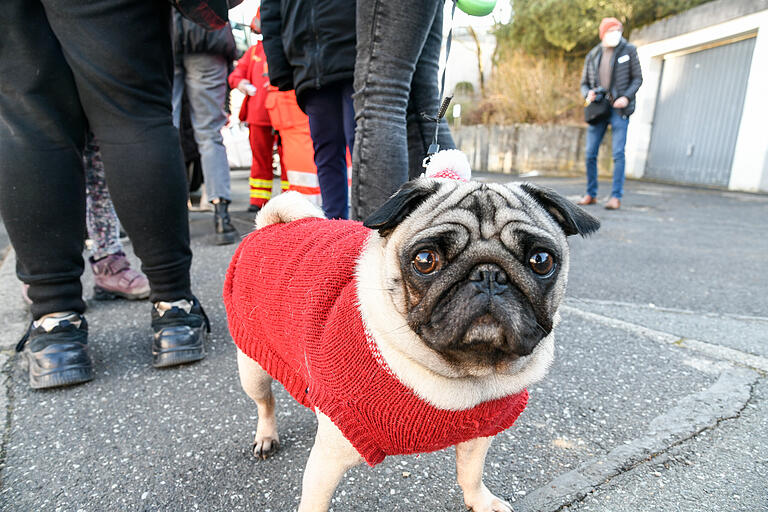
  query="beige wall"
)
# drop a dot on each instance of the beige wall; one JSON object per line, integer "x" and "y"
{"x": 522, "y": 148}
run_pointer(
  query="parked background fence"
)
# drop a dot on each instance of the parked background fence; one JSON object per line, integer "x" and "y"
{"x": 524, "y": 148}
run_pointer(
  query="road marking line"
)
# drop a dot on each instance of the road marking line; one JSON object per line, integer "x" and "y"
{"x": 711, "y": 349}
{"x": 665, "y": 309}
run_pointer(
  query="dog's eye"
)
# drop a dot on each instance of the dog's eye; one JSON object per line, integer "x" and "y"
{"x": 426, "y": 261}
{"x": 542, "y": 263}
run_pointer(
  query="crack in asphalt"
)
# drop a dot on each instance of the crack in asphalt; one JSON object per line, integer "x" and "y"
{"x": 6, "y": 395}
{"x": 693, "y": 414}
{"x": 661, "y": 453}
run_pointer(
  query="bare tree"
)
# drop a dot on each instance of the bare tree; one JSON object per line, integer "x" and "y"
{"x": 479, "y": 54}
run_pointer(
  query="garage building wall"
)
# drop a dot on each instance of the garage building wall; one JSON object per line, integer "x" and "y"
{"x": 749, "y": 168}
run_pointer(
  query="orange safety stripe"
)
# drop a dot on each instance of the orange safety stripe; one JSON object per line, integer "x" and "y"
{"x": 305, "y": 190}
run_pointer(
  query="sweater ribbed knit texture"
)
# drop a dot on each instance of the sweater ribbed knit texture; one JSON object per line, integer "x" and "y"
{"x": 292, "y": 304}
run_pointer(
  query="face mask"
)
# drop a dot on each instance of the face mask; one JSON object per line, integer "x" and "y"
{"x": 611, "y": 39}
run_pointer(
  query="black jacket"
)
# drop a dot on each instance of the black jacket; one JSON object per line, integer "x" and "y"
{"x": 625, "y": 72}
{"x": 308, "y": 43}
{"x": 190, "y": 38}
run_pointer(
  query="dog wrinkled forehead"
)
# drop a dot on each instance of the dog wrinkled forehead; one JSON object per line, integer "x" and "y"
{"x": 428, "y": 200}
{"x": 490, "y": 208}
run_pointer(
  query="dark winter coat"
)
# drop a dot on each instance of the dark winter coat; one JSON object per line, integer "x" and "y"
{"x": 625, "y": 72}
{"x": 308, "y": 43}
{"x": 211, "y": 14}
{"x": 190, "y": 38}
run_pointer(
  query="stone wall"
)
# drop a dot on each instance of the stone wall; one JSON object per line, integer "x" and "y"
{"x": 522, "y": 148}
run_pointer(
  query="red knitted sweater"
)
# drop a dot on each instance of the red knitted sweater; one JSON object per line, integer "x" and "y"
{"x": 291, "y": 299}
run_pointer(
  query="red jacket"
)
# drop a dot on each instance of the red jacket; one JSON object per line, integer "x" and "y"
{"x": 291, "y": 299}
{"x": 252, "y": 66}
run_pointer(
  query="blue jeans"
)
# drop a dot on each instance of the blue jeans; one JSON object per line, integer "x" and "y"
{"x": 205, "y": 79}
{"x": 398, "y": 52}
{"x": 595, "y": 134}
{"x": 332, "y": 127}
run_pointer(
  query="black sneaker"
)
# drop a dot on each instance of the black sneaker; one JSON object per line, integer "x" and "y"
{"x": 56, "y": 351}
{"x": 179, "y": 335}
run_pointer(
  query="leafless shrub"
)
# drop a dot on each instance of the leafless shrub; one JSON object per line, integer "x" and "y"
{"x": 531, "y": 89}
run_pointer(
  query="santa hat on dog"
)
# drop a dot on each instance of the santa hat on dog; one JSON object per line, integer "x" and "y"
{"x": 449, "y": 163}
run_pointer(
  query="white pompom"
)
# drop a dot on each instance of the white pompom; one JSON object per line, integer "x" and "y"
{"x": 449, "y": 163}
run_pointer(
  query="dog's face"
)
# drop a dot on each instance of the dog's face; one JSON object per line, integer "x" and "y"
{"x": 478, "y": 270}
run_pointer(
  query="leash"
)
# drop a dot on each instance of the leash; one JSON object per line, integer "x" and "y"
{"x": 435, "y": 147}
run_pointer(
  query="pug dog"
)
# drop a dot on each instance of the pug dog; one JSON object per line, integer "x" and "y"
{"x": 412, "y": 332}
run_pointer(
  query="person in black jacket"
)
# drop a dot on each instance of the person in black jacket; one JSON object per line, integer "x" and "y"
{"x": 612, "y": 66}
{"x": 202, "y": 59}
{"x": 310, "y": 47}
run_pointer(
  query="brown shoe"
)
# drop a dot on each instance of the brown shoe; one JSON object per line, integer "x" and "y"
{"x": 587, "y": 199}
{"x": 613, "y": 204}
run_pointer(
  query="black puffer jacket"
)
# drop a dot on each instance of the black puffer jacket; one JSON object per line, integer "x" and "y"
{"x": 625, "y": 71}
{"x": 190, "y": 38}
{"x": 308, "y": 43}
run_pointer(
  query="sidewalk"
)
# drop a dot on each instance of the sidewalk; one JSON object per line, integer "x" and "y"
{"x": 657, "y": 400}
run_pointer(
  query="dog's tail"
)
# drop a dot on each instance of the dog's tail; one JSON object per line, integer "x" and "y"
{"x": 287, "y": 207}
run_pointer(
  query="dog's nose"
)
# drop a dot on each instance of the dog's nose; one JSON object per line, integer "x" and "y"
{"x": 489, "y": 278}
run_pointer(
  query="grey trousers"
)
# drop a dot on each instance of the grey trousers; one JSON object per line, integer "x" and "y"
{"x": 398, "y": 52}
{"x": 205, "y": 79}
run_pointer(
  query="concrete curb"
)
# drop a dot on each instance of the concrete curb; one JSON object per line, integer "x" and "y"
{"x": 5, "y": 409}
{"x": 717, "y": 351}
{"x": 13, "y": 317}
{"x": 723, "y": 400}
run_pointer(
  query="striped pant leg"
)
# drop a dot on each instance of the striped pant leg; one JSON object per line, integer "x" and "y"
{"x": 262, "y": 140}
{"x": 299, "y": 158}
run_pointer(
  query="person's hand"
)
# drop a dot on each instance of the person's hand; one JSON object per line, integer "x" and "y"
{"x": 246, "y": 87}
{"x": 591, "y": 96}
{"x": 241, "y": 85}
{"x": 621, "y": 102}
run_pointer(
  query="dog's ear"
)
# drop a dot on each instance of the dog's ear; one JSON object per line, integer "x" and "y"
{"x": 400, "y": 205}
{"x": 571, "y": 218}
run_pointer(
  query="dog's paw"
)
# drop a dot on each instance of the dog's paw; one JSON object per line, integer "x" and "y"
{"x": 484, "y": 501}
{"x": 265, "y": 446}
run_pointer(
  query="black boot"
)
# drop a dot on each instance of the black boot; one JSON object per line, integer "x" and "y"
{"x": 225, "y": 231}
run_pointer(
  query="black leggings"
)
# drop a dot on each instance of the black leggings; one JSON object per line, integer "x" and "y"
{"x": 65, "y": 66}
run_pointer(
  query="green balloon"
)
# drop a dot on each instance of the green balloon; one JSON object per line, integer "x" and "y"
{"x": 476, "y": 7}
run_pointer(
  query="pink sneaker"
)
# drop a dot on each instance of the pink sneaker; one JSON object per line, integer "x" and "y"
{"x": 115, "y": 278}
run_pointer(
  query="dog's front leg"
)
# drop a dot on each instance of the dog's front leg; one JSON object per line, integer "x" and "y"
{"x": 257, "y": 384}
{"x": 470, "y": 459}
{"x": 331, "y": 456}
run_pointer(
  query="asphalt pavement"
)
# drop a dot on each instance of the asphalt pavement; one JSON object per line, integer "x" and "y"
{"x": 657, "y": 400}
